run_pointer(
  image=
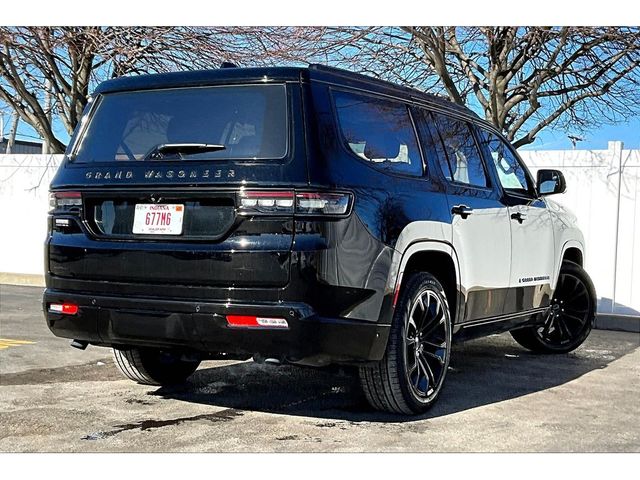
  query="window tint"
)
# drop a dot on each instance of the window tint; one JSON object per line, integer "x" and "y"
{"x": 249, "y": 121}
{"x": 379, "y": 132}
{"x": 464, "y": 161}
{"x": 511, "y": 173}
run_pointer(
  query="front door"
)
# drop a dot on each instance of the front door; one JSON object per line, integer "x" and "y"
{"x": 532, "y": 242}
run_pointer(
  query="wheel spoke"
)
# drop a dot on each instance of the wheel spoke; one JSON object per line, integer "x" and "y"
{"x": 547, "y": 325}
{"x": 563, "y": 330}
{"x": 415, "y": 329}
{"x": 427, "y": 369}
{"x": 580, "y": 320}
{"x": 418, "y": 376}
{"x": 436, "y": 346}
{"x": 434, "y": 356}
{"x": 428, "y": 329}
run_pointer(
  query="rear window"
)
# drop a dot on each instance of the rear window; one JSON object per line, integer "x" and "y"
{"x": 205, "y": 123}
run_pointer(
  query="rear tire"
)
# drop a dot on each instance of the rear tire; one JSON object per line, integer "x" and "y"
{"x": 410, "y": 376}
{"x": 150, "y": 366}
{"x": 570, "y": 318}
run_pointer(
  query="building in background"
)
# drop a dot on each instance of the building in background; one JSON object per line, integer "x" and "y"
{"x": 21, "y": 147}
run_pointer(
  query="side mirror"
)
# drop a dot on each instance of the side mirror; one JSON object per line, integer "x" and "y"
{"x": 551, "y": 182}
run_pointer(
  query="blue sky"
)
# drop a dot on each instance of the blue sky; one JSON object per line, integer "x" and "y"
{"x": 548, "y": 139}
{"x": 595, "y": 139}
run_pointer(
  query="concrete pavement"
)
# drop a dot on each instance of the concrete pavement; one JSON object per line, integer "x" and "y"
{"x": 498, "y": 397}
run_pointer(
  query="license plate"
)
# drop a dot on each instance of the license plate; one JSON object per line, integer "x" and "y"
{"x": 158, "y": 219}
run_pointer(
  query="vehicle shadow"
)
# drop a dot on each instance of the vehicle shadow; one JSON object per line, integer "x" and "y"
{"x": 482, "y": 372}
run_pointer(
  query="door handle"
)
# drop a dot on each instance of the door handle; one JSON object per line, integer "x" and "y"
{"x": 519, "y": 216}
{"x": 462, "y": 210}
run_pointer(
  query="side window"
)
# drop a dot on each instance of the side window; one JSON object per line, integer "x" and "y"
{"x": 463, "y": 158}
{"x": 511, "y": 172}
{"x": 379, "y": 132}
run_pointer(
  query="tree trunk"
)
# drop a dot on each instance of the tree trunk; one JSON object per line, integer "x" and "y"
{"x": 47, "y": 110}
{"x": 12, "y": 132}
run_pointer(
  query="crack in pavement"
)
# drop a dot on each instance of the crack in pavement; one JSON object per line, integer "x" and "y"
{"x": 143, "y": 425}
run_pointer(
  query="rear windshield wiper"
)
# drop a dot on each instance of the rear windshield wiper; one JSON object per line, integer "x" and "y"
{"x": 159, "y": 151}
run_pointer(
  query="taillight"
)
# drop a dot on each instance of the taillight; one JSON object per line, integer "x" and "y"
{"x": 64, "y": 201}
{"x": 266, "y": 202}
{"x": 64, "y": 308}
{"x": 300, "y": 203}
{"x": 320, "y": 203}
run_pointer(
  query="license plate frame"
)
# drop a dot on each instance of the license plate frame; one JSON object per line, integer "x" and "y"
{"x": 158, "y": 219}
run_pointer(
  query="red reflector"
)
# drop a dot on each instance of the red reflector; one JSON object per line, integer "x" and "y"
{"x": 68, "y": 194}
{"x": 64, "y": 308}
{"x": 396, "y": 294}
{"x": 245, "y": 321}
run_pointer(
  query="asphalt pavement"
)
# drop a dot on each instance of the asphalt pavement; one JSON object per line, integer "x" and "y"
{"x": 498, "y": 397}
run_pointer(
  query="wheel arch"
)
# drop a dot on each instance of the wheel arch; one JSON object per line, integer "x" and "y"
{"x": 438, "y": 259}
{"x": 572, "y": 250}
{"x": 573, "y": 254}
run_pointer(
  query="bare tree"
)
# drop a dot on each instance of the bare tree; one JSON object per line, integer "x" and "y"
{"x": 69, "y": 61}
{"x": 523, "y": 79}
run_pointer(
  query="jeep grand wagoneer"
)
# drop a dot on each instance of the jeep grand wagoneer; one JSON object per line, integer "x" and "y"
{"x": 306, "y": 215}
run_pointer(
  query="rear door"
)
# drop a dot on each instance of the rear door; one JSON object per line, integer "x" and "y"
{"x": 532, "y": 242}
{"x": 479, "y": 219}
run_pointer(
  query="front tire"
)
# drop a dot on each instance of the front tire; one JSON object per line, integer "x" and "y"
{"x": 150, "y": 366}
{"x": 570, "y": 318}
{"x": 410, "y": 376}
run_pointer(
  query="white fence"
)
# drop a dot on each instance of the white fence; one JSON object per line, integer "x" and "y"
{"x": 603, "y": 190}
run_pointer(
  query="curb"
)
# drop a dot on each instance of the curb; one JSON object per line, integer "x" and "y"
{"x": 622, "y": 323}
{"x": 22, "y": 279}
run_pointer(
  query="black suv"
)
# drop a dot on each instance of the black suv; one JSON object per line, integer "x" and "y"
{"x": 309, "y": 216}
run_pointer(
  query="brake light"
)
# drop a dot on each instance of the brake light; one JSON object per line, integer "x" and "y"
{"x": 300, "y": 203}
{"x": 247, "y": 321}
{"x": 64, "y": 200}
{"x": 64, "y": 308}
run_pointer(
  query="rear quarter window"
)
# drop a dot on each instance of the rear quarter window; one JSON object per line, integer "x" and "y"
{"x": 379, "y": 132}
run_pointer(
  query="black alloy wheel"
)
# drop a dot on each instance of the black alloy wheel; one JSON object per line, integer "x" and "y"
{"x": 410, "y": 376}
{"x": 426, "y": 348}
{"x": 570, "y": 317}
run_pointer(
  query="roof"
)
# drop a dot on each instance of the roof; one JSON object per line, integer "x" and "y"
{"x": 276, "y": 74}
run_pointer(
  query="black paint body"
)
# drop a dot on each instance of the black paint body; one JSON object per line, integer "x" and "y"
{"x": 327, "y": 276}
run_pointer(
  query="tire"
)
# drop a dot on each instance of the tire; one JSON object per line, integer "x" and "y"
{"x": 409, "y": 378}
{"x": 570, "y": 318}
{"x": 150, "y": 366}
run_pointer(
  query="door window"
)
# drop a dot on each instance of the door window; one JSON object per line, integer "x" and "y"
{"x": 511, "y": 173}
{"x": 463, "y": 161}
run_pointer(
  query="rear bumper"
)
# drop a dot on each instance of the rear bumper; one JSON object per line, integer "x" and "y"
{"x": 202, "y": 326}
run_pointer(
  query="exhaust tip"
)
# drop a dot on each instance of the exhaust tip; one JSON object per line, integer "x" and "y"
{"x": 79, "y": 344}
